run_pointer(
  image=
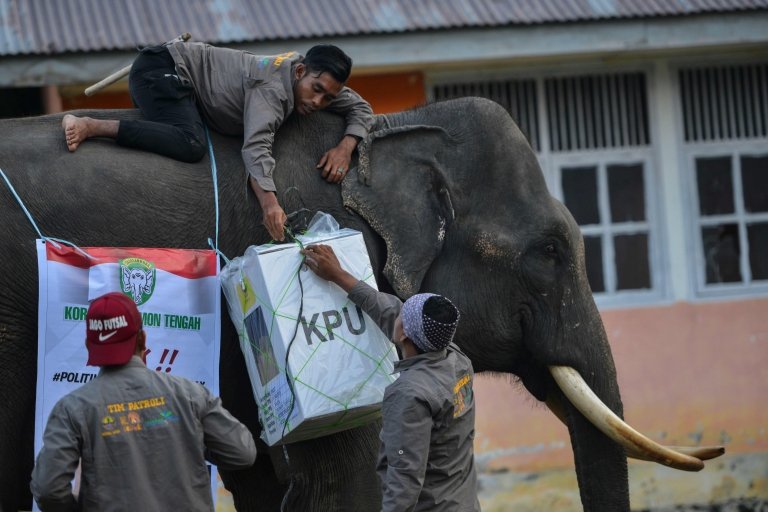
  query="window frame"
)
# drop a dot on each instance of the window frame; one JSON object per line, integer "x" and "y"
{"x": 698, "y": 289}
{"x": 733, "y": 149}
{"x": 607, "y": 230}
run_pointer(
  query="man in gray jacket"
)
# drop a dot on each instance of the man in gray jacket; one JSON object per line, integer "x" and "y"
{"x": 141, "y": 437}
{"x": 426, "y": 459}
{"x": 178, "y": 85}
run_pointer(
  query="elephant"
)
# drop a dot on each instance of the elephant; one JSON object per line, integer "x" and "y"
{"x": 450, "y": 199}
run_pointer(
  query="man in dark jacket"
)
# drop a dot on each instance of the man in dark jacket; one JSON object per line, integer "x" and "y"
{"x": 141, "y": 437}
{"x": 426, "y": 459}
{"x": 178, "y": 85}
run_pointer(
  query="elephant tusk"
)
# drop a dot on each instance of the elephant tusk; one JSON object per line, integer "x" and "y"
{"x": 584, "y": 399}
{"x": 700, "y": 452}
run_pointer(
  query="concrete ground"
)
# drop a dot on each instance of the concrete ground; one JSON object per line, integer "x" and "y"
{"x": 729, "y": 484}
{"x": 733, "y": 483}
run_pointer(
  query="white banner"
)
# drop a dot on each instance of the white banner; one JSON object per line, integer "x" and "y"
{"x": 177, "y": 294}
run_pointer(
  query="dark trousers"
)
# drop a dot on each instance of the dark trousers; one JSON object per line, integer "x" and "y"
{"x": 173, "y": 125}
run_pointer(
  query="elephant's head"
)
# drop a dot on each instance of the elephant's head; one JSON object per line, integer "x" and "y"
{"x": 136, "y": 282}
{"x": 464, "y": 211}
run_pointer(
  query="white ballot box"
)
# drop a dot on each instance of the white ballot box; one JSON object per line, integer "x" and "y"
{"x": 316, "y": 362}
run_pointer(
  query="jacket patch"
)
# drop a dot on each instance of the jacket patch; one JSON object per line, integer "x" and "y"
{"x": 132, "y": 421}
{"x": 108, "y": 426}
{"x": 280, "y": 58}
{"x": 163, "y": 419}
{"x": 462, "y": 395}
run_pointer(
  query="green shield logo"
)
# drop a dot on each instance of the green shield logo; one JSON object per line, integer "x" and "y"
{"x": 138, "y": 278}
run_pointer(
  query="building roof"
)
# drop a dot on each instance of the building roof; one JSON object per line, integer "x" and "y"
{"x": 39, "y": 27}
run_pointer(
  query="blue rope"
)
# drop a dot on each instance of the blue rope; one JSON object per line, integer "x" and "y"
{"x": 214, "y": 244}
{"x": 216, "y": 249}
{"x": 34, "y": 225}
{"x": 76, "y": 248}
{"x": 215, "y": 190}
{"x": 21, "y": 203}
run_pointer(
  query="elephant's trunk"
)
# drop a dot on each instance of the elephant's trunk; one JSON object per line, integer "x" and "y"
{"x": 601, "y": 463}
{"x": 601, "y": 466}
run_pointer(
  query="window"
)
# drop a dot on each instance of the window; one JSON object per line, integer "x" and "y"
{"x": 733, "y": 218}
{"x": 592, "y": 135}
{"x": 725, "y": 129}
{"x": 597, "y": 111}
{"x": 601, "y": 122}
{"x": 608, "y": 201}
{"x": 517, "y": 96}
{"x": 724, "y": 103}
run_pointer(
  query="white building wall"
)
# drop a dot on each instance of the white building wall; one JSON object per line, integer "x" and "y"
{"x": 663, "y": 106}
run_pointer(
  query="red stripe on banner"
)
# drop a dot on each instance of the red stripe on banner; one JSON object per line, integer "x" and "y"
{"x": 187, "y": 263}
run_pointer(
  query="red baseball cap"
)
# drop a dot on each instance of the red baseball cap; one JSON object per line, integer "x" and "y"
{"x": 111, "y": 326}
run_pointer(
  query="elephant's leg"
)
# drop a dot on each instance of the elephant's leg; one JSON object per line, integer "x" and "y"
{"x": 18, "y": 351}
{"x": 255, "y": 489}
{"x": 17, "y": 454}
{"x": 336, "y": 472}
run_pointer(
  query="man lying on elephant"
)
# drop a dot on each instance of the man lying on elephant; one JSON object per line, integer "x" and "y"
{"x": 178, "y": 85}
{"x": 426, "y": 459}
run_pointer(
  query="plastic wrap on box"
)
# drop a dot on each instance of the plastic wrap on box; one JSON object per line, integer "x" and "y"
{"x": 339, "y": 361}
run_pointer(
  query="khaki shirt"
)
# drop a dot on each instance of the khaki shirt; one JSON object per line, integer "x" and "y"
{"x": 426, "y": 459}
{"x": 143, "y": 437}
{"x": 242, "y": 93}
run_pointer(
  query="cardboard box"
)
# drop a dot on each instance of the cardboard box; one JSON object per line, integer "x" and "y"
{"x": 339, "y": 361}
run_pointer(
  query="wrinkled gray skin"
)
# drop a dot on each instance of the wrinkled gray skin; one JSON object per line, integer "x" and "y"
{"x": 451, "y": 200}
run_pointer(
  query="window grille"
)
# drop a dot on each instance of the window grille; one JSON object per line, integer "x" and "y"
{"x": 724, "y": 103}
{"x": 597, "y": 111}
{"x": 518, "y": 97}
{"x": 608, "y": 200}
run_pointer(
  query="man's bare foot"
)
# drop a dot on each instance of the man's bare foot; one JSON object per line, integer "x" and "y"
{"x": 75, "y": 130}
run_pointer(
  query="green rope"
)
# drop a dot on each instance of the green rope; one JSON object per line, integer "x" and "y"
{"x": 268, "y": 410}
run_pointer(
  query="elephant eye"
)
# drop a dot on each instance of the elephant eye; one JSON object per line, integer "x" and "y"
{"x": 549, "y": 250}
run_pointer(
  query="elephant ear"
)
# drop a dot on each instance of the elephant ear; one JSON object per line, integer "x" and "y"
{"x": 402, "y": 192}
